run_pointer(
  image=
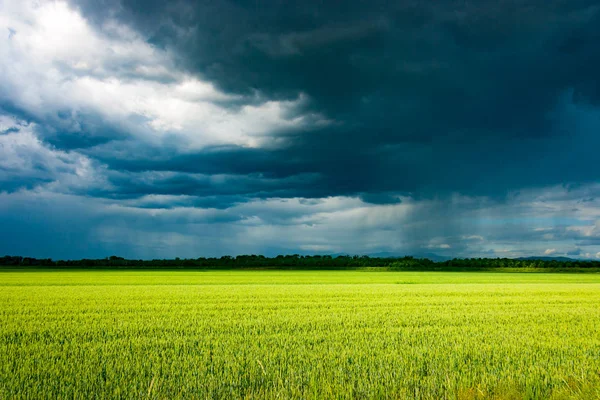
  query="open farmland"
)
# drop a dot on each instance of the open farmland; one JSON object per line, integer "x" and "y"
{"x": 299, "y": 334}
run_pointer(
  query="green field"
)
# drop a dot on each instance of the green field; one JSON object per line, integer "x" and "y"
{"x": 299, "y": 334}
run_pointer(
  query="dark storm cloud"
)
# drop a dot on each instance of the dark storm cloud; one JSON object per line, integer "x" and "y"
{"x": 67, "y": 129}
{"x": 428, "y": 97}
{"x": 285, "y": 47}
{"x": 89, "y": 131}
{"x": 13, "y": 184}
{"x": 254, "y": 186}
{"x": 212, "y": 160}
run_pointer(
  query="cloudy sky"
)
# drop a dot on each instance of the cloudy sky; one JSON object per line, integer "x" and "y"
{"x": 202, "y": 128}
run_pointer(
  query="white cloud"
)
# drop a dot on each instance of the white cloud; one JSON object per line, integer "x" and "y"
{"x": 435, "y": 244}
{"x": 8, "y": 123}
{"x": 473, "y": 238}
{"x": 56, "y": 62}
{"x": 549, "y": 251}
{"x": 317, "y": 248}
{"x": 24, "y": 158}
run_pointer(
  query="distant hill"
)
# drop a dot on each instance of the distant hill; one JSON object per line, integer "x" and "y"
{"x": 433, "y": 257}
{"x": 535, "y": 258}
{"x": 389, "y": 254}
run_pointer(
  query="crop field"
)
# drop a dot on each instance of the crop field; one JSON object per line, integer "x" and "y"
{"x": 299, "y": 334}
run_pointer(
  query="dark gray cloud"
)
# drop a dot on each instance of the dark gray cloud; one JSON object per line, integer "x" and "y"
{"x": 429, "y": 97}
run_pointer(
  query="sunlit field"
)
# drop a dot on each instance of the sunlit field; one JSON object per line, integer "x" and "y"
{"x": 299, "y": 334}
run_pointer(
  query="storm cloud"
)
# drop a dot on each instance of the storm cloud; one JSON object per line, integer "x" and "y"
{"x": 207, "y": 128}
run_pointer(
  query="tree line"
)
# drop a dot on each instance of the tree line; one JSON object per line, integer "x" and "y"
{"x": 296, "y": 261}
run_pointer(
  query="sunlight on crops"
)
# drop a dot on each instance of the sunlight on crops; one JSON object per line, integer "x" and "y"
{"x": 265, "y": 334}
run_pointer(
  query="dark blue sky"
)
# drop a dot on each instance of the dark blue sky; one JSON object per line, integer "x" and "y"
{"x": 161, "y": 129}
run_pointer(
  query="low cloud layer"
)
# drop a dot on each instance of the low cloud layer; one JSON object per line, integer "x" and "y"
{"x": 189, "y": 129}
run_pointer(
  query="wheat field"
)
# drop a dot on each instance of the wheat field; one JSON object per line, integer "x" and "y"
{"x": 299, "y": 335}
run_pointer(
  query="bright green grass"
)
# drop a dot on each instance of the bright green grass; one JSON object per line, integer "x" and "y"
{"x": 48, "y": 277}
{"x": 299, "y": 334}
